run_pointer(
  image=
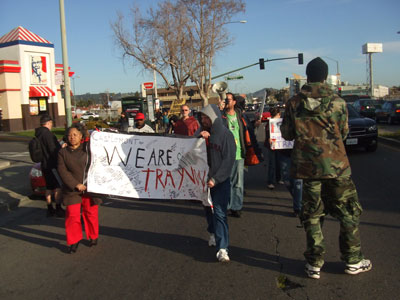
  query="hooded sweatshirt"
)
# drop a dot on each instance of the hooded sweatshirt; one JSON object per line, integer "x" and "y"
{"x": 221, "y": 146}
{"x": 316, "y": 119}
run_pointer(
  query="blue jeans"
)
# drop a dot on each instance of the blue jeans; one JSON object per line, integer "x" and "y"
{"x": 295, "y": 186}
{"x": 218, "y": 221}
{"x": 237, "y": 185}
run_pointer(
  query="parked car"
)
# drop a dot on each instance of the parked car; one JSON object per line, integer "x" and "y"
{"x": 352, "y": 98}
{"x": 88, "y": 115}
{"x": 250, "y": 107}
{"x": 36, "y": 178}
{"x": 367, "y": 107}
{"x": 389, "y": 112}
{"x": 363, "y": 131}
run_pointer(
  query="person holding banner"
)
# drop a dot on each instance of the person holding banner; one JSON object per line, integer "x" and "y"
{"x": 140, "y": 125}
{"x": 279, "y": 152}
{"x": 274, "y": 165}
{"x": 317, "y": 120}
{"x": 72, "y": 161}
{"x": 221, "y": 151}
{"x": 186, "y": 125}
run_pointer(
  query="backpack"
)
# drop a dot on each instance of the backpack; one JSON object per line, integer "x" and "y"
{"x": 35, "y": 150}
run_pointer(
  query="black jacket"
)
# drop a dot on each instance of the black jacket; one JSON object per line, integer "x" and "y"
{"x": 50, "y": 147}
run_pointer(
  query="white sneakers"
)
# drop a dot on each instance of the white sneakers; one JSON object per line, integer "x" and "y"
{"x": 211, "y": 241}
{"x": 363, "y": 266}
{"x": 312, "y": 272}
{"x": 222, "y": 255}
{"x": 271, "y": 186}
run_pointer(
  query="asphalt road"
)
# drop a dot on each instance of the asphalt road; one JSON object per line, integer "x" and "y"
{"x": 158, "y": 249}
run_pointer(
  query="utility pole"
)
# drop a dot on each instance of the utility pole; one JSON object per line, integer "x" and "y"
{"x": 67, "y": 85}
{"x": 155, "y": 84}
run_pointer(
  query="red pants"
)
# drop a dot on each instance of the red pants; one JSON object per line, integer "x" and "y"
{"x": 73, "y": 225}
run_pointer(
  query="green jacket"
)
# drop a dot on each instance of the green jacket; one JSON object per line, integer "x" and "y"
{"x": 316, "y": 119}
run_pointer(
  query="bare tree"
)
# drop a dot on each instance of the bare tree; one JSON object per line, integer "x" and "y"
{"x": 178, "y": 40}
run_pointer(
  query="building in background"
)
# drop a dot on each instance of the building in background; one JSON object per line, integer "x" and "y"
{"x": 191, "y": 97}
{"x": 30, "y": 81}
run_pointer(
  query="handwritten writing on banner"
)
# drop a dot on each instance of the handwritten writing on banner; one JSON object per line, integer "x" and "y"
{"x": 277, "y": 141}
{"x": 153, "y": 167}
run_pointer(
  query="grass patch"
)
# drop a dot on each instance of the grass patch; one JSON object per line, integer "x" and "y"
{"x": 392, "y": 135}
{"x": 59, "y": 132}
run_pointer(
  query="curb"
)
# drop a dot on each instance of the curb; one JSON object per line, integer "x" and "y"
{"x": 389, "y": 141}
{"x": 14, "y": 138}
{"x": 4, "y": 164}
{"x": 13, "y": 201}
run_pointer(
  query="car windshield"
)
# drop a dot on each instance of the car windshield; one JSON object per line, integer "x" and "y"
{"x": 352, "y": 112}
{"x": 370, "y": 102}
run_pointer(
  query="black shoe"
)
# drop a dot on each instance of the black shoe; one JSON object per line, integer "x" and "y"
{"x": 236, "y": 213}
{"x": 296, "y": 213}
{"x": 50, "y": 211}
{"x": 73, "y": 248}
{"x": 60, "y": 212}
{"x": 93, "y": 242}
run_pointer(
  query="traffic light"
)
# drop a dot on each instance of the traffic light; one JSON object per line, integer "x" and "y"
{"x": 261, "y": 62}
{"x": 300, "y": 58}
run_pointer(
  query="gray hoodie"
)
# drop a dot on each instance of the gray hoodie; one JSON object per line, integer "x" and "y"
{"x": 221, "y": 146}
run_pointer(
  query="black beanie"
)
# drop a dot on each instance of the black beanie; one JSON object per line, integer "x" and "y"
{"x": 44, "y": 119}
{"x": 317, "y": 70}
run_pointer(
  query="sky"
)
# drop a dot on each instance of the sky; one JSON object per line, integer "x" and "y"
{"x": 335, "y": 30}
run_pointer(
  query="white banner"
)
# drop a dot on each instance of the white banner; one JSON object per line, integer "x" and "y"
{"x": 277, "y": 141}
{"x": 148, "y": 167}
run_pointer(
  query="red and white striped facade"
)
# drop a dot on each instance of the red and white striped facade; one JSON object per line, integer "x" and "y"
{"x": 28, "y": 86}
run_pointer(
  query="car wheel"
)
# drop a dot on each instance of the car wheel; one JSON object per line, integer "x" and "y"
{"x": 372, "y": 148}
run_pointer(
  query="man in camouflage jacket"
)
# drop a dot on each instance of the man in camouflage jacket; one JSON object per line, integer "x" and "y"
{"x": 316, "y": 119}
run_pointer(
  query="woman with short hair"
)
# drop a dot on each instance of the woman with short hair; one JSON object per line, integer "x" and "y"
{"x": 72, "y": 162}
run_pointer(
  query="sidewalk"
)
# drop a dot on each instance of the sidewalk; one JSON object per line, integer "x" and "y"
{"x": 10, "y": 199}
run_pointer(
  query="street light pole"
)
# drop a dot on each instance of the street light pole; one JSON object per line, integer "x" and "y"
{"x": 257, "y": 63}
{"x": 241, "y": 21}
{"x": 73, "y": 81}
{"x": 67, "y": 84}
{"x": 337, "y": 70}
{"x": 337, "y": 64}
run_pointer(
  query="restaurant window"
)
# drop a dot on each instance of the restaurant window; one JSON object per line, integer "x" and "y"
{"x": 38, "y": 106}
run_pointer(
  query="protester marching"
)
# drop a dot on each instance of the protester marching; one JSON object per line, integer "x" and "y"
{"x": 202, "y": 158}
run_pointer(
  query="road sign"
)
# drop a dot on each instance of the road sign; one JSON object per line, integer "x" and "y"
{"x": 234, "y": 77}
{"x": 148, "y": 85}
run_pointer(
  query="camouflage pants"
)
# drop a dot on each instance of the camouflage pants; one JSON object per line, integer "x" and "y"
{"x": 337, "y": 197}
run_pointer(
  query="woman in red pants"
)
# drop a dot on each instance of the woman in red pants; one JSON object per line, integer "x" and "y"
{"x": 72, "y": 161}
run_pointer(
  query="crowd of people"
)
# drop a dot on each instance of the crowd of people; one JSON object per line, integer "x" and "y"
{"x": 316, "y": 171}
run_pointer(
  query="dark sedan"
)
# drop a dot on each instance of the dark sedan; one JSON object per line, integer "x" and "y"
{"x": 363, "y": 131}
{"x": 367, "y": 107}
{"x": 390, "y": 112}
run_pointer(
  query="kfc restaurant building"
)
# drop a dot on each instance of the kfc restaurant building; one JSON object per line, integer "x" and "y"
{"x": 30, "y": 81}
